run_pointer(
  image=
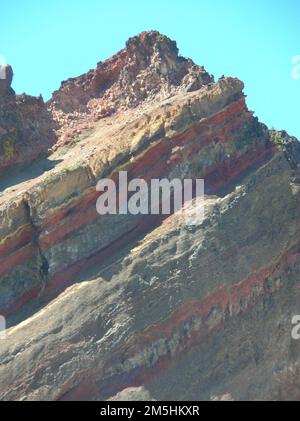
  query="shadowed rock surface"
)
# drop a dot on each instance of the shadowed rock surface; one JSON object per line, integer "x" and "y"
{"x": 125, "y": 307}
{"x": 26, "y": 126}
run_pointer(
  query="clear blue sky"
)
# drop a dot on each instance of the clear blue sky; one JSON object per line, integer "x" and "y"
{"x": 51, "y": 40}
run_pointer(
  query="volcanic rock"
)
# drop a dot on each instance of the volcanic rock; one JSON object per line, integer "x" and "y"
{"x": 146, "y": 307}
{"x": 149, "y": 69}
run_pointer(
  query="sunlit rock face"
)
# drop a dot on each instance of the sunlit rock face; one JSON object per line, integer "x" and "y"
{"x": 125, "y": 307}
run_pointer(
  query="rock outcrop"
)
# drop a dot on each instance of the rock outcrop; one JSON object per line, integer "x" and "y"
{"x": 55, "y": 217}
{"x": 149, "y": 69}
{"x": 26, "y": 126}
{"x": 6, "y": 77}
{"x": 144, "y": 306}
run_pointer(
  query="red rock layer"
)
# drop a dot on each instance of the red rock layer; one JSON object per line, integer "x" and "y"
{"x": 230, "y": 302}
{"x": 223, "y": 128}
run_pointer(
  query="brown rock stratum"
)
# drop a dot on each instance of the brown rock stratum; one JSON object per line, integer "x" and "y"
{"x": 125, "y": 307}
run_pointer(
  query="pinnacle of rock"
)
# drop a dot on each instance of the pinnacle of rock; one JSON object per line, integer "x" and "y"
{"x": 6, "y": 77}
{"x": 148, "y": 69}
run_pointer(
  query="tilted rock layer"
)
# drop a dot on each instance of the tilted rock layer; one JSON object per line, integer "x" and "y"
{"x": 145, "y": 307}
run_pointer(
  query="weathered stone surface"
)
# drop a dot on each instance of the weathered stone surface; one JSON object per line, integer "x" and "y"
{"x": 149, "y": 69}
{"x": 130, "y": 307}
{"x": 148, "y": 66}
{"x": 26, "y": 130}
{"x": 173, "y": 141}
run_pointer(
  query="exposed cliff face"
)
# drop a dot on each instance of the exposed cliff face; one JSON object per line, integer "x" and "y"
{"x": 26, "y": 126}
{"x": 58, "y": 209}
{"x": 148, "y": 66}
{"x": 144, "y": 307}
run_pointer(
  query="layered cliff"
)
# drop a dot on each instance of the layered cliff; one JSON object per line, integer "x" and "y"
{"x": 100, "y": 307}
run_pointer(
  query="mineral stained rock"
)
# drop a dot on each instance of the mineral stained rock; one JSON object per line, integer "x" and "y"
{"x": 144, "y": 307}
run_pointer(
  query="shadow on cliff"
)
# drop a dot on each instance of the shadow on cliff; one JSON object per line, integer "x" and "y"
{"x": 20, "y": 174}
{"x": 105, "y": 265}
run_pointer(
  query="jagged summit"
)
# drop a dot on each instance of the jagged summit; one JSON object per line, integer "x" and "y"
{"x": 147, "y": 69}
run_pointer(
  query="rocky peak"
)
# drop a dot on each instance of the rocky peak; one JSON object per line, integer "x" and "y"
{"x": 156, "y": 57}
{"x": 140, "y": 303}
{"x": 147, "y": 70}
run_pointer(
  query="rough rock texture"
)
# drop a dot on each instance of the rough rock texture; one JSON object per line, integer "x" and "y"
{"x": 147, "y": 70}
{"x": 141, "y": 307}
{"x": 26, "y": 126}
{"x": 132, "y": 394}
{"x": 51, "y": 229}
